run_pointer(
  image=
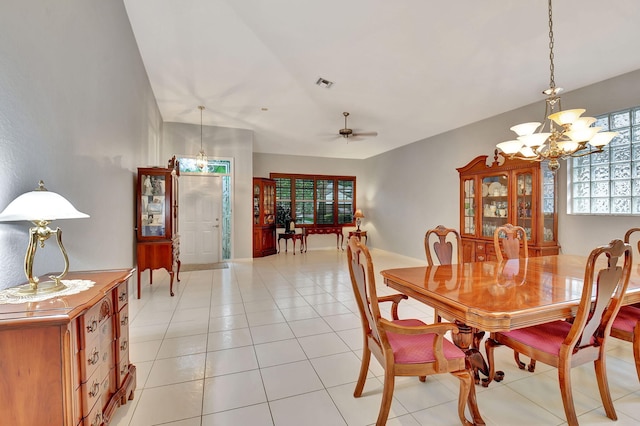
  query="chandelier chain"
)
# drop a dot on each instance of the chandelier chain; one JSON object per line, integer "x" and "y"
{"x": 552, "y": 81}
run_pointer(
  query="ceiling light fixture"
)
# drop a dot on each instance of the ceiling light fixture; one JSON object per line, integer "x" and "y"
{"x": 563, "y": 134}
{"x": 201, "y": 159}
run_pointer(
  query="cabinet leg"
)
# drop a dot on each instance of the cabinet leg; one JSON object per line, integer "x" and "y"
{"x": 178, "y": 272}
{"x": 150, "y": 276}
{"x": 171, "y": 283}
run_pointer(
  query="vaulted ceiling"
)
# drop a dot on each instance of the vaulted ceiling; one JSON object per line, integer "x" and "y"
{"x": 406, "y": 69}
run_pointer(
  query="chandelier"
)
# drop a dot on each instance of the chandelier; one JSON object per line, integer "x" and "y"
{"x": 201, "y": 159}
{"x": 562, "y": 134}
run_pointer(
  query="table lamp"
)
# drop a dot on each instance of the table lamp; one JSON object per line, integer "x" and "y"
{"x": 41, "y": 207}
{"x": 358, "y": 215}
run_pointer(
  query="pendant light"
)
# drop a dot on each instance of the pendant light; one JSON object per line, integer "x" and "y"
{"x": 201, "y": 159}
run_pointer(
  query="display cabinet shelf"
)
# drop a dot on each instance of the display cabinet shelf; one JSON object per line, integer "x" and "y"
{"x": 157, "y": 221}
{"x": 505, "y": 191}
{"x": 264, "y": 217}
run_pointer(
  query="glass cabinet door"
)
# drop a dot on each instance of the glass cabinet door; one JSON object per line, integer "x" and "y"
{"x": 495, "y": 203}
{"x": 548, "y": 205}
{"x": 153, "y": 206}
{"x": 524, "y": 202}
{"x": 469, "y": 206}
{"x": 256, "y": 204}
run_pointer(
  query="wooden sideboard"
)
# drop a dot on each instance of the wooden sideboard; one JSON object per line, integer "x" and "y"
{"x": 65, "y": 360}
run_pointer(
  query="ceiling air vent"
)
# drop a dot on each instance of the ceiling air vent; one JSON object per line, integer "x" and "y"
{"x": 324, "y": 83}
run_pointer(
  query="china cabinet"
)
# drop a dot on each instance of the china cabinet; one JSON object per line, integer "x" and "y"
{"x": 264, "y": 217}
{"x": 515, "y": 191}
{"x": 65, "y": 360}
{"x": 157, "y": 221}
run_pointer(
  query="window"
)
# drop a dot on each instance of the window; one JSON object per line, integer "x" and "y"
{"x": 609, "y": 182}
{"x": 314, "y": 200}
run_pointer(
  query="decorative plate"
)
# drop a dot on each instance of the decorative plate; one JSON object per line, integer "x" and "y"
{"x": 495, "y": 186}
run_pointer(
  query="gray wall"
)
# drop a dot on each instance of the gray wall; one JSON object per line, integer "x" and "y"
{"x": 419, "y": 188}
{"x": 183, "y": 140}
{"x": 77, "y": 111}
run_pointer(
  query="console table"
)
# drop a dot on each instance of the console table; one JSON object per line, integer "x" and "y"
{"x": 325, "y": 230}
{"x": 359, "y": 235}
{"x": 65, "y": 360}
{"x": 290, "y": 236}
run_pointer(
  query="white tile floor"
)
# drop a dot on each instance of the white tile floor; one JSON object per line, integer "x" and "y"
{"x": 277, "y": 341}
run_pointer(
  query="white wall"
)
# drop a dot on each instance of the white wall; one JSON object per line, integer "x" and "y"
{"x": 76, "y": 110}
{"x": 263, "y": 164}
{"x": 181, "y": 139}
{"x": 419, "y": 186}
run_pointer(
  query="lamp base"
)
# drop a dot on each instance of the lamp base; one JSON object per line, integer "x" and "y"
{"x": 42, "y": 287}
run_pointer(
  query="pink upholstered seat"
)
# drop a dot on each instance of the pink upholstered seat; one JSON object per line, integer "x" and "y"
{"x": 418, "y": 348}
{"x": 404, "y": 347}
{"x": 582, "y": 339}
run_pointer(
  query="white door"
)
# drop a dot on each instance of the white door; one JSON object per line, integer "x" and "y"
{"x": 200, "y": 219}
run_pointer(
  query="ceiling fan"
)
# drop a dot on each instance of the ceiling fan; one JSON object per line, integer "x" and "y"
{"x": 349, "y": 133}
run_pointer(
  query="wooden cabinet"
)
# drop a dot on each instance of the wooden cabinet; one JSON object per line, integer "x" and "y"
{"x": 65, "y": 360}
{"x": 519, "y": 192}
{"x": 264, "y": 217}
{"x": 157, "y": 221}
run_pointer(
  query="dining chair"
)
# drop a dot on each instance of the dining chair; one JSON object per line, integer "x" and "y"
{"x": 406, "y": 347}
{"x": 440, "y": 243}
{"x": 626, "y": 325}
{"x": 514, "y": 237}
{"x": 509, "y": 246}
{"x": 567, "y": 344}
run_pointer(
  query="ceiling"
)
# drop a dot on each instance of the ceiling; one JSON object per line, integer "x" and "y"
{"x": 407, "y": 69}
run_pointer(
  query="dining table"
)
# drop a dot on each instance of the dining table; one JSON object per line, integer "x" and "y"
{"x": 496, "y": 296}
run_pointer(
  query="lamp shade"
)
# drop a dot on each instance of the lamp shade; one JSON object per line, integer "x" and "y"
{"x": 40, "y": 205}
{"x": 358, "y": 214}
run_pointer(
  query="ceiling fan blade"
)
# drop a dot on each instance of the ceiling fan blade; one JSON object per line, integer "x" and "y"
{"x": 364, "y": 134}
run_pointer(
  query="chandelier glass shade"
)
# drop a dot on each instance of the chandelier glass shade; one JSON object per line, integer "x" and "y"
{"x": 562, "y": 134}
{"x": 201, "y": 159}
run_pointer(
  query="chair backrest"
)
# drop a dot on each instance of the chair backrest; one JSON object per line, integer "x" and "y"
{"x": 628, "y": 238}
{"x": 364, "y": 287}
{"x": 592, "y": 323}
{"x": 510, "y": 248}
{"x": 438, "y": 242}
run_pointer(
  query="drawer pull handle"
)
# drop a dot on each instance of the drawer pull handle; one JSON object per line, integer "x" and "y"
{"x": 93, "y": 326}
{"x": 94, "y": 390}
{"x": 124, "y": 369}
{"x": 124, "y": 320}
{"x": 124, "y": 345}
{"x": 123, "y": 296}
{"x": 95, "y": 357}
{"x": 480, "y": 258}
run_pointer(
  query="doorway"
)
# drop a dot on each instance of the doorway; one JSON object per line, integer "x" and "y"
{"x": 200, "y": 218}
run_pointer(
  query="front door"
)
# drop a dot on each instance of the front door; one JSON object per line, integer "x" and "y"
{"x": 200, "y": 219}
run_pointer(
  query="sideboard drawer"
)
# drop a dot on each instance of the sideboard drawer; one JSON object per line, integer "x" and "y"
{"x": 122, "y": 295}
{"x": 92, "y": 321}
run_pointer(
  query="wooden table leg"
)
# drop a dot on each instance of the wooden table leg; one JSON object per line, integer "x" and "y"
{"x": 468, "y": 339}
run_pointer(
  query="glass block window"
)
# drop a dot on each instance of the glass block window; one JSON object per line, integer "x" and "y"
{"x": 609, "y": 182}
